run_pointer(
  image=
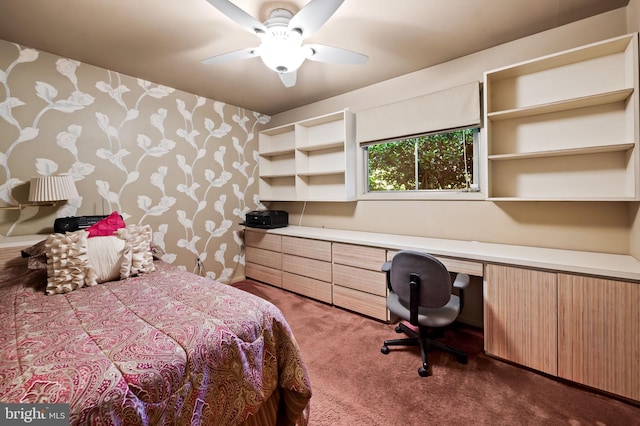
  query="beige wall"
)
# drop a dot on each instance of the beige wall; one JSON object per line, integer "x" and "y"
{"x": 591, "y": 226}
{"x": 179, "y": 162}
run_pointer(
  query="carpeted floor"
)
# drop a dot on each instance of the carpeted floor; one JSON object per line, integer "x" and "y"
{"x": 355, "y": 384}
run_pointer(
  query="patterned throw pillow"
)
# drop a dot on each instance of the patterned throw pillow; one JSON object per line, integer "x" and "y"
{"x": 36, "y": 255}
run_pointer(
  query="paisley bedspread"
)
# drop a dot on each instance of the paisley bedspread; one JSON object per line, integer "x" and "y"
{"x": 168, "y": 347}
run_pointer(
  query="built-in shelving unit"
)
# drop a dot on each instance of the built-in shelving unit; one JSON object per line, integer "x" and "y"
{"x": 310, "y": 160}
{"x": 277, "y": 164}
{"x": 565, "y": 126}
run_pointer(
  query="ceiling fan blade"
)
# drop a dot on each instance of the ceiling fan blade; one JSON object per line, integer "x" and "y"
{"x": 312, "y": 16}
{"x": 288, "y": 78}
{"x": 323, "y": 53}
{"x": 236, "y": 55}
{"x": 239, "y": 16}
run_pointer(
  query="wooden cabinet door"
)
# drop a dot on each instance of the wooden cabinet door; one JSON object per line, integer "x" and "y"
{"x": 520, "y": 316}
{"x": 599, "y": 333}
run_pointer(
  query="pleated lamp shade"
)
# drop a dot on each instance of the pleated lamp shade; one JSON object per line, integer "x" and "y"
{"x": 52, "y": 188}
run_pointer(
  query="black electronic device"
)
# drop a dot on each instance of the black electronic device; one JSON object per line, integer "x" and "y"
{"x": 267, "y": 219}
{"x": 74, "y": 223}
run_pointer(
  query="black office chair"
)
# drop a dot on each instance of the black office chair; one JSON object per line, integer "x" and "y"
{"x": 420, "y": 292}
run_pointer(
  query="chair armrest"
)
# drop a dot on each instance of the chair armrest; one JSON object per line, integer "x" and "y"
{"x": 462, "y": 281}
{"x": 386, "y": 267}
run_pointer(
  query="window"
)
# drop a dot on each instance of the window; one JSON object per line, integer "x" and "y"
{"x": 444, "y": 161}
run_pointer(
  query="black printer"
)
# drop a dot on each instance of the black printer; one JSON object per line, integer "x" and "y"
{"x": 74, "y": 223}
{"x": 267, "y": 219}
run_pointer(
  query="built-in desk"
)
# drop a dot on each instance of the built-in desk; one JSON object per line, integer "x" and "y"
{"x": 572, "y": 314}
{"x": 616, "y": 266}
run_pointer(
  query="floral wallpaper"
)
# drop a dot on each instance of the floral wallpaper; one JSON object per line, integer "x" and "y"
{"x": 184, "y": 164}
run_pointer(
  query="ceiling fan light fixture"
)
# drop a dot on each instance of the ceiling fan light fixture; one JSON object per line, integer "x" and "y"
{"x": 281, "y": 37}
{"x": 282, "y": 54}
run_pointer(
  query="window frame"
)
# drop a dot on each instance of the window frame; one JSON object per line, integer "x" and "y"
{"x": 475, "y": 192}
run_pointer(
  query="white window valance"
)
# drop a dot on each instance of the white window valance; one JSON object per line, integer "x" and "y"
{"x": 446, "y": 109}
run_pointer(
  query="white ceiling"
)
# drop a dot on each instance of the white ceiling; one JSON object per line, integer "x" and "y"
{"x": 164, "y": 41}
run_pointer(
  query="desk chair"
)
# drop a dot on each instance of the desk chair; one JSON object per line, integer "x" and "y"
{"x": 420, "y": 292}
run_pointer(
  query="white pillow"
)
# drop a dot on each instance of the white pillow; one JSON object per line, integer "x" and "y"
{"x": 106, "y": 258}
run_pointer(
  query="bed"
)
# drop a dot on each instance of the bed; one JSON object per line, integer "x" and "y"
{"x": 161, "y": 346}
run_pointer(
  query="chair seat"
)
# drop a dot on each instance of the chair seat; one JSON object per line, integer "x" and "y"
{"x": 438, "y": 317}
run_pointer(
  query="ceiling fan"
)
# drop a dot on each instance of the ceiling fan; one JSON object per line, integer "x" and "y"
{"x": 281, "y": 36}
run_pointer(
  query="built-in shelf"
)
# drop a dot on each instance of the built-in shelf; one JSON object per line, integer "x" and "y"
{"x": 561, "y": 152}
{"x": 565, "y": 126}
{"x": 277, "y": 175}
{"x": 277, "y": 153}
{"x": 323, "y": 146}
{"x": 564, "y": 105}
{"x": 579, "y": 56}
{"x": 322, "y": 173}
{"x": 316, "y": 159}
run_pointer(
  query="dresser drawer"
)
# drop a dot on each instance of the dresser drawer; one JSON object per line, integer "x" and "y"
{"x": 262, "y": 240}
{"x": 314, "y": 249}
{"x": 309, "y": 287}
{"x": 359, "y": 256}
{"x": 264, "y": 274}
{"x": 311, "y": 268}
{"x": 363, "y": 303}
{"x": 263, "y": 257}
{"x": 366, "y": 280}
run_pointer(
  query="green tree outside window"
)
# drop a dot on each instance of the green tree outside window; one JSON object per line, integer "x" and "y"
{"x": 442, "y": 161}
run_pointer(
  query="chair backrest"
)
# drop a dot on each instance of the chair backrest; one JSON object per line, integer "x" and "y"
{"x": 435, "y": 281}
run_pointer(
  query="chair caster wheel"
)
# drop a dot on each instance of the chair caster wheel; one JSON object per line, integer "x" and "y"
{"x": 462, "y": 359}
{"x": 384, "y": 350}
{"x": 423, "y": 372}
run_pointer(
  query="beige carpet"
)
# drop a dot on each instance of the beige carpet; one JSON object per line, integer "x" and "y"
{"x": 355, "y": 384}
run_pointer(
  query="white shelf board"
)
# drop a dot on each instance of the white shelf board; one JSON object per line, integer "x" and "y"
{"x": 563, "y": 152}
{"x": 564, "y": 105}
{"x": 321, "y": 173}
{"x": 322, "y": 146}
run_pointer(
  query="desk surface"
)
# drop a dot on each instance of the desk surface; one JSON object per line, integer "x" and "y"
{"x": 606, "y": 265}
